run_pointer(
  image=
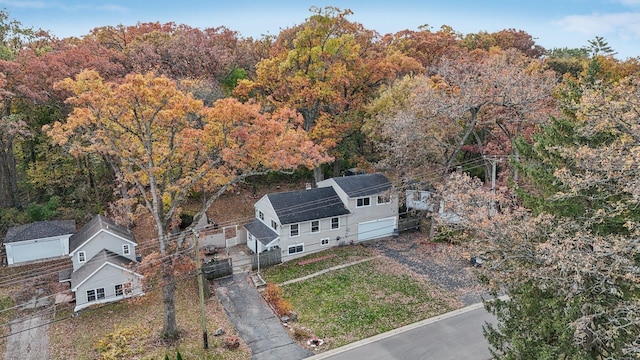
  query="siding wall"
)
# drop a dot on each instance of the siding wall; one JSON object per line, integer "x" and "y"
{"x": 107, "y": 277}
{"x": 103, "y": 240}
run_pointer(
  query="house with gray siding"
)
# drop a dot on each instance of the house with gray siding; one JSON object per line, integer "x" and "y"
{"x": 38, "y": 241}
{"x": 103, "y": 255}
{"x": 372, "y": 205}
{"x": 334, "y": 213}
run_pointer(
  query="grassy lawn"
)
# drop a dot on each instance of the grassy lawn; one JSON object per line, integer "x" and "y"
{"x": 359, "y": 301}
{"x": 135, "y": 325}
{"x": 291, "y": 270}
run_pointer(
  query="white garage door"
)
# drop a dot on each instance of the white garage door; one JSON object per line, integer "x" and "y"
{"x": 376, "y": 228}
{"x": 36, "y": 251}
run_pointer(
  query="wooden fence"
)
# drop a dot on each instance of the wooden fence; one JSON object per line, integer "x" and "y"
{"x": 217, "y": 269}
{"x": 267, "y": 258}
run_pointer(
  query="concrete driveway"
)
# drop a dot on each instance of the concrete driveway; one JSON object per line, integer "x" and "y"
{"x": 28, "y": 339}
{"x": 255, "y": 322}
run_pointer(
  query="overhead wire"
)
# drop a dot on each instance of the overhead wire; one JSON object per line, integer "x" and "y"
{"x": 429, "y": 176}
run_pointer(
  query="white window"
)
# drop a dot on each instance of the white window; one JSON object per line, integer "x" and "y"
{"x": 82, "y": 256}
{"x": 294, "y": 230}
{"x": 362, "y": 202}
{"x": 324, "y": 242}
{"x": 126, "y": 249}
{"x": 315, "y": 226}
{"x": 294, "y": 249}
{"x": 383, "y": 199}
{"x": 123, "y": 289}
{"x": 261, "y": 215}
{"x": 335, "y": 223}
{"x": 95, "y": 294}
{"x": 274, "y": 225}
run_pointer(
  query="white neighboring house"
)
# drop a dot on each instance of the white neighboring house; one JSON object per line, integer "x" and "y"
{"x": 423, "y": 200}
{"x": 41, "y": 240}
{"x": 103, "y": 254}
{"x": 339, "y": 211}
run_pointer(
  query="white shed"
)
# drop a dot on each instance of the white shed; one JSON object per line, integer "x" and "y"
{"x": 38, "y": 241}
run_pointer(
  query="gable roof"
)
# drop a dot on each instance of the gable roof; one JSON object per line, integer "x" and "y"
{"x": 363, "y": 185}
{"x": 260, "y": 231}
{"x": 304, "y": 205}
{"x": 102, "y": 258}
{"x": 99, "y": 222}
{"x": 40, "y": 230}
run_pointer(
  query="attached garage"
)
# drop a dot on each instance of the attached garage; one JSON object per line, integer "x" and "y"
{"x": 38, "y": 241}
{"x": 376, "y": 229}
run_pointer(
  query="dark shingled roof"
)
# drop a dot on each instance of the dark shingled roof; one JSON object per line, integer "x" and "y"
{"x": 96, "y": 224}
{"x": 305, "y": 205}
{"x": 262, "y": 232}
{"x": 363, "y": 185}
{"x": 95, "y": 262}
{"x": 40, "y": 230}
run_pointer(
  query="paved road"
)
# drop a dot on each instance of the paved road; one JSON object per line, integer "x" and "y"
{"x": 28, "y": 340}
{"x": 255, "y": 322}
{"x": 455, "y": 335}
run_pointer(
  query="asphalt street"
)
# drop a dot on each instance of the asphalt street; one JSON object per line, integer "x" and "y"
{"x": 455, "y": 335}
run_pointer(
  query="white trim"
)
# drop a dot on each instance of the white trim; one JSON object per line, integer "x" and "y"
{"x": 291, "y": 230}
{"x": 104, "y": 301}
{"x": 383, "y": 202}
{"x": 95, "y": 294}
{"x": 295, "y": 246}
{"x": 323, "y": 240}
{"x": 364, "y": 205}
{"x": 96, "y": 234}
{"x": 128, "y": 249}
{"x": 311, "y": 226}
{"x": 100, "y": 268}
{"x": 84, "y": 257}
{"x": 331, "y": 223}
{"x": 123, "y": 289}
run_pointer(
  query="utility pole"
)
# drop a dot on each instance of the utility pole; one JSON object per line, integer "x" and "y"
{"x": 203, "y": 317}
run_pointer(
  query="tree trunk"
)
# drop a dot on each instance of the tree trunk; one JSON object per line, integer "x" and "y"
{"x": 169, "y": 328}
{"x": 317, "y": 174}
{"x": 8, "y": 181}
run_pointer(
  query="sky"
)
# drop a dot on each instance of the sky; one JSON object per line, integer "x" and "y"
{"x": 553, "y": 24}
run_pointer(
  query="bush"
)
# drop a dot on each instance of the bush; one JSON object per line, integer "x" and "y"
{"x": 120, "y": 343}
{"x": 273, "y": 295}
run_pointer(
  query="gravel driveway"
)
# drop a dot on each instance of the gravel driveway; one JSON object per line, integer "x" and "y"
{"x": 441, "y": 263}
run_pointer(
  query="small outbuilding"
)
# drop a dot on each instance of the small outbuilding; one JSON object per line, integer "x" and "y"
{"x": 41, "y": 240}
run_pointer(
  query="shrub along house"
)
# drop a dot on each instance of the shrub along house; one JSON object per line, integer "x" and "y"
{"x": 41, "y": 240}
{"x": 102, "y": 253}
{"x": 338, "y": 211}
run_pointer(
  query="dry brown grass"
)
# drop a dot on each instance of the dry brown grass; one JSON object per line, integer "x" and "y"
{"x": 76, "y": 337}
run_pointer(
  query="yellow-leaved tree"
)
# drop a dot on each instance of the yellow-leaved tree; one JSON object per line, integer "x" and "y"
{"x": 164, "y": 143}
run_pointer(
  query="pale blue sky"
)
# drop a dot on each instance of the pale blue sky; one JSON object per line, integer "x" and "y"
{"x": 559, "y": 23}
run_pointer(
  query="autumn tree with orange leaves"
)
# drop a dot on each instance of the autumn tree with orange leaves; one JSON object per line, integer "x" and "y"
{"x": 166, "y": 143}
{"x": 326, "y": 68}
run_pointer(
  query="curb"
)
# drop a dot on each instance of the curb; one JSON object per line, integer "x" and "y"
{"x": 393, "y": 332}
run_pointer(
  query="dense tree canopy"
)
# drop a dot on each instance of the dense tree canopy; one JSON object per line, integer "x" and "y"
{"x": 164, "y": 143}
{"x": 141, "y": 117}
